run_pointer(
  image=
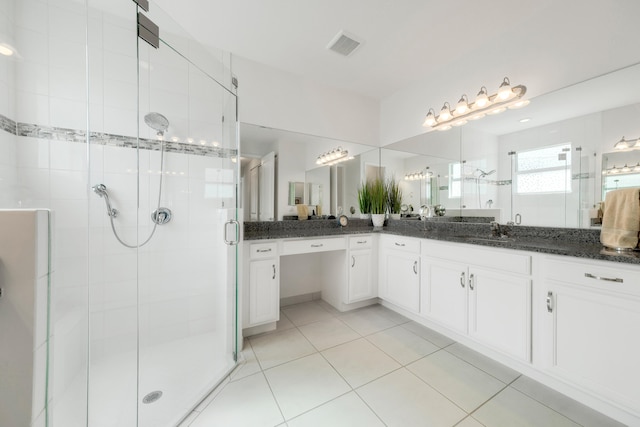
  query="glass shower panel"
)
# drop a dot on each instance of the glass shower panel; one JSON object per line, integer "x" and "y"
{"x": 187, "y": 276}
{"x": 113, "y": 162}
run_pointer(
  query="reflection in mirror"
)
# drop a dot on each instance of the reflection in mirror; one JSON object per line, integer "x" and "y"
{"x": 297, "y": 194}
{"x": 620, "y": 169}
{"x": 540, "y": 165}
{"x": 428, "y": 169}
{"x": 326, "y": 190}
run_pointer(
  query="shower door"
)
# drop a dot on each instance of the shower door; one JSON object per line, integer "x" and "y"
{"x": 167, "y": 308}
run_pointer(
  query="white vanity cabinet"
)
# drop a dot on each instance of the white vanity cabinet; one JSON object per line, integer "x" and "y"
{"x": 262, "y": 277}
{"x": 361, "y": 284}
{"x": 480, "y": 292}
{"x": 399, "y": 271}
{"x": 592, "y": 327}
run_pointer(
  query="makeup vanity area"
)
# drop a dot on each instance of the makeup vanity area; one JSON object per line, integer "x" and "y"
{"x": 548, "y": 301}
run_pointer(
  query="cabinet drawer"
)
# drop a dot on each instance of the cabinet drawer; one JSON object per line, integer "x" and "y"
{"x": 506, "y": 261}
{"x": 360, "y": 242}
{"x": 263, "y": 250}
{"x": 609, "y": 276}
{"x": 292, "y": 247}
{"x": 401, "y": 243}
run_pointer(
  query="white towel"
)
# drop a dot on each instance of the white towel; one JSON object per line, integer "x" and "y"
{"x": 621, "y": 219}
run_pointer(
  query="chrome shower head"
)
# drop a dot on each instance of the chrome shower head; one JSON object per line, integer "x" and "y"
{"x": 157, "y": 122}
{"x": 100, "y": 189}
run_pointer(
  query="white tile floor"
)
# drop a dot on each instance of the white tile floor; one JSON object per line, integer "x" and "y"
{"x": 373, "y": 367}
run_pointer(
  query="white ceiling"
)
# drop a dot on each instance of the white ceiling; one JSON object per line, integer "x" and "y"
{"x": 409, "y": 41}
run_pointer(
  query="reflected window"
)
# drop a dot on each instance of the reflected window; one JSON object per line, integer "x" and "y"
{"x": 544, "y": 170}
{"x": 455, "y": 180}
{"x": 219, "y": 183}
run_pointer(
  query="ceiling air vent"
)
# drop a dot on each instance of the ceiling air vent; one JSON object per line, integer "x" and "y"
{"x": 343, "y": 44}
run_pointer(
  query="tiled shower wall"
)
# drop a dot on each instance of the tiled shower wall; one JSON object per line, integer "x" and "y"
{"x": 97, "y": 283}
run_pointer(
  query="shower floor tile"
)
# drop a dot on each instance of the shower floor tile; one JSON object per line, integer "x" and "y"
{"x": 372, "y": 367}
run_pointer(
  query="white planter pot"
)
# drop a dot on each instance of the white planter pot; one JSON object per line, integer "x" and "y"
{"x": 378, "y": 220}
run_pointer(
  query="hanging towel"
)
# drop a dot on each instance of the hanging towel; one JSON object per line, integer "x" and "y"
{"x": 303, "y": 212}
{"x": 621, "y": 219}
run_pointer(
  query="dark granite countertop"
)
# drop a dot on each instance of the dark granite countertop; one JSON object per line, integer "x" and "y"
{"x": 580, "y": 243}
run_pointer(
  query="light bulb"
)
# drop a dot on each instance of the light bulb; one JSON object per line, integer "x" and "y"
{"x": 462, "y": 106}
{"x": 6, "y": 50}
{"x": 477, "y": 116}
{"x": 621, "y": 145}
{"x": 520, "y": 104}
{"x": 504, "y": 91}
{"x": 430, "y": 120}
{"x": 482, "y": 100}
{"x": 445, "y": 113}
{"x": 443, "y": 128}
{"x": 459, "y": 123}
{"x": 497, "y": 110}
{"x": 626, "y": 168}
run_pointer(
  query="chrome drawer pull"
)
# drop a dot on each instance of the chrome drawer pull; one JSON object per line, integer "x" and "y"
{"x": 317, "y": 246}
{"x": 360, "y": 242}
{"x": 400, "y": 244}
{"x": 606, "y": 279}
{"x": 415, "y": 267}
{"x": 264, "y": 250}
{"x": 471, "y": 278}
{"x": 353, "y": 261}
{"x": 550, "y": 302}
{"x": 274, "y": 271}
{"x": 462, "y": 279}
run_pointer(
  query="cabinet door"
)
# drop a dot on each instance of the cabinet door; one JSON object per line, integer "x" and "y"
{"x": 446, "y": 285}
{"x": 402, "y": 279}
{"x": 595, "y": 340}
{"x": 361, "y": 284}
{"x": 499, "y": 311}
{"x": 264, "y": 291}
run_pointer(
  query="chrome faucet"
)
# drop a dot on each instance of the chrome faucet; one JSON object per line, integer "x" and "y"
{"x": 495, "y": 229}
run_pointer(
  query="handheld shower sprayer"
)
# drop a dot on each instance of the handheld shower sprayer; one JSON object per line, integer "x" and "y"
{"x": 160, "y": 216}
{"x": 101, "y": 190}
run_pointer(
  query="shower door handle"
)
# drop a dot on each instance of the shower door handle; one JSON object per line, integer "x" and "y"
{"x": 236, "y": 240}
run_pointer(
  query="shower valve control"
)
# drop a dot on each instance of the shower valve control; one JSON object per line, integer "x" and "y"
{"x": 161, "y": 216}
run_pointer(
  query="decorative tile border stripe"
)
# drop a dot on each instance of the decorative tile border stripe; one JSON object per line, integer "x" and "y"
{"x": 8, "y": 125}
{"x": 80, "y": 136}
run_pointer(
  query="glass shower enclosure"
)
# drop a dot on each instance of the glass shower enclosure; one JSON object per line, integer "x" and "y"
{"x": 133, "y": 148}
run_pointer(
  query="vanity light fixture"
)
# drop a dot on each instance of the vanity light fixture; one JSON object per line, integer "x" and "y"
{"x": 332, "y": 157}
{"x": 414, "y": 176}
{"x": 419, "y": 175}
{"x": 507, "y": 96}
{"x": 625, "y": 144}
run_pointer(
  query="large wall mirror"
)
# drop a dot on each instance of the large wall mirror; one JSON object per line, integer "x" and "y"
{"x": 542, "y": 165}
{"x": 279, "y": 174}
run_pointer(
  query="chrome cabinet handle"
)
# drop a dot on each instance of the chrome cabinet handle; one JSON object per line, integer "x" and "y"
{"x": 317, "y": 246}
{"x": 462, "y": 279}
{"x": 550, "y": 302}
{"x": 264, "y": 250}
{"x": 361, "y": 242}
{"x": 274, "y": 271}
{"x": 400, "y": 244}
{"x": 471, "y": 278}
{"x": 606, "y": 279}
{"x": 415, "y": 267}
{"x": 353, "y": 261}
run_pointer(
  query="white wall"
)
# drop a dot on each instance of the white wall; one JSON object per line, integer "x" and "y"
{"x": 281, "y": 100}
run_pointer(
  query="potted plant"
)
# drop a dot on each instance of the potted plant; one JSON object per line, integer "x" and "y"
{"x": 379, "y": 201}
{"x": 364, "y": 200}
{"x": 394, "y": 198}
